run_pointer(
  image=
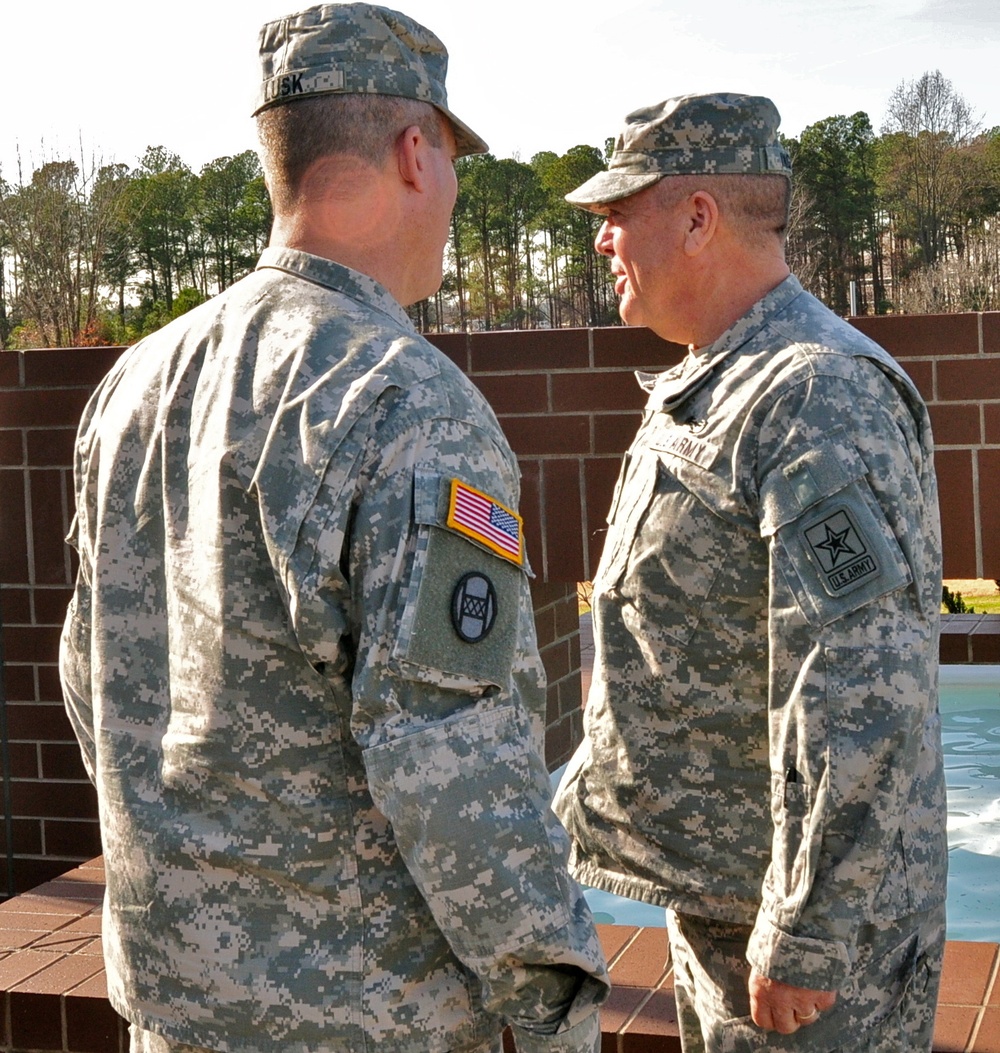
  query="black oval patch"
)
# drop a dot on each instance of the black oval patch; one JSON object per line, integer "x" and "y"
{"x": 473, "y": 607}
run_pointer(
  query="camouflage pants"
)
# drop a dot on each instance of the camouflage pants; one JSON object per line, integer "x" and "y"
{"x": 147, "y": 1042}
{"x": 886, "y": 1006}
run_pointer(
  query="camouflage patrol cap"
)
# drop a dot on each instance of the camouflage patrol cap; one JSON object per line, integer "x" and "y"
{"x": 356, "y": 49}
{"x": 689, "y": 135}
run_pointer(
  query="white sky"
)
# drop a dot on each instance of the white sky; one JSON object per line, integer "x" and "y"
{"x": 528, "y": 75}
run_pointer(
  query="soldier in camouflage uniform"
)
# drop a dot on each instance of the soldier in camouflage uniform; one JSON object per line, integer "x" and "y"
{"x": 300, "y": 658}
{"x": 762, "y": 752}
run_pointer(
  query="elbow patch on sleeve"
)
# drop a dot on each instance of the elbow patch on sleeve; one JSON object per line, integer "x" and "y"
{"x": 831, "y": 538}
{"x": 461, "y": 616}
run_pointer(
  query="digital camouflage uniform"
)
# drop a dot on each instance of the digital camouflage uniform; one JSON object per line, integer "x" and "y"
{"x": 313, "y": 709}
{"x": 762, "y": 750}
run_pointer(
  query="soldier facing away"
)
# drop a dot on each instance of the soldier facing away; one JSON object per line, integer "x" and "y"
{"x": 762, "y": 753}
{"x": 300, "y": 658}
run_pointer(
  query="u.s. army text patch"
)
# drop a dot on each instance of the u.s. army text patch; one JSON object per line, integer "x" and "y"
{"x": 841, "y": 552}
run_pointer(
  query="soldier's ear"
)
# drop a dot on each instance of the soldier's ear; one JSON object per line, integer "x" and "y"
{"x": 411, "y": 157}
{"x": 702, "y": 221}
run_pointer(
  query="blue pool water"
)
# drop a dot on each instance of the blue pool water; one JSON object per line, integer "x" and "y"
{"x": 970, "y": 714}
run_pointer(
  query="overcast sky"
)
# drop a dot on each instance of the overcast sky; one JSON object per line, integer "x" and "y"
{"x": 119, "y": 75}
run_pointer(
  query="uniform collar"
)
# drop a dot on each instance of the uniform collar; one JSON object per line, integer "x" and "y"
{"x": 668, "y": 390}
{"x": 335, "y": 276}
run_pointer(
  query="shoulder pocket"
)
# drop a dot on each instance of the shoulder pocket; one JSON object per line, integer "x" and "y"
{"x": 831, "y": 538}
{"x": 461, "y": 616}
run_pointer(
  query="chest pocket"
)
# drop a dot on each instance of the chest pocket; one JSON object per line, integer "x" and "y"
{"x": 831, "y": 539}
{"x": 665, "y": 551}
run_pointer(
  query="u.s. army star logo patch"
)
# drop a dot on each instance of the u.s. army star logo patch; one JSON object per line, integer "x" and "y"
{"x": 473, "y": 607}
{"x": 840, "y": 551}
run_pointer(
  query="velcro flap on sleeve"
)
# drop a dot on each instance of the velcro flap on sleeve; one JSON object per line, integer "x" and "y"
{"x": 825, "y": 469}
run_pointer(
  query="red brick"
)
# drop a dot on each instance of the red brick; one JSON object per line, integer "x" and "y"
{"x": 954, "y": 647}
{"x": 31, "y": 643}
{"x": 620, "y": 1005}
{"x": 37, "y": 409}
{"x": 11, "y": 447}
{"x": 529, "y": 351}
{"x": 614, "y": 938}
{"x": 559, "y": 744}
{"x": 919, "y": 336}
{"x": 531, "y": 512}
{"x": 39, "y": 721}
{"x": 921, "y": 372}
{"x": 92, "y": 1026}
{"x": 953, "y": 1028}
{"x": 62, "y": 761}
{"x": 51, "y": 604}
{"x": 600, "y": 474}
{"x": 49, "y": 687}
{"x": 30, "y": 873}
{"x": 568, "y": 614}
{"x": 985, "y": 641}
{"x": 84, "y": 366}
{"x": 24, "y": 760}
{"x": 968, "y": 968}
{"x": 454, "y": 345}
{"x": 54, "y": 800}
{"x": 51, "y": 524}
{"x": 590, "y": 392}
{"x": 634, "y": 347}
{"x": 547, "y": 435}
{"x": 15, "y": 606}
{"x": 988, "y": 1036}
{"x": 614, "y": 432}
{"x": 954, "y": 473}
{"x": 991, "y": 332}
{"x": 51, "y": 447}
{"x": 19, "y": 683}
{"x": 10, "y": 369}
{"x": 655, "y": 1028}
{"x": 991, "y": 417}
{"x": 968, "y": 378}
{"x": 17, "y": 968}
{"x": 557, "y": 661}
{"x": 14, "y": 550}
{"x": 956, "y": 423}
{"x": 563, "y": 503}
{"x": 35, "y": 1021}
{"x": 989, "y": 510}
{"x": 527, "y": 393}
{"x": 61, "y": 975}
{"x": 645, "y": 961}
{"x": 27, "y": 834}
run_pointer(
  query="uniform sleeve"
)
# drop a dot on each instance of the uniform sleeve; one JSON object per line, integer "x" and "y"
{"x": 75, "y": 674}
{"x": 848, "y": 507}
{"x": 448, "y": 707}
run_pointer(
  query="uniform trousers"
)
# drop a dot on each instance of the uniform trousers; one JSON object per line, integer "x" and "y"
{"x": 887, "y": 1004}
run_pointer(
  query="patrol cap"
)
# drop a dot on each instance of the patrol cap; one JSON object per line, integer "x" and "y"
{"x": 689, "y": 135}
{"x": 356, "y": 49}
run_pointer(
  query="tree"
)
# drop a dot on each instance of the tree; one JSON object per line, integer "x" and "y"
{"x": 834, "y": 165}
{"x": 163, "y": 196}
{"x": 578, "y": 285}
{"x": 925, "y": 174}
{"x": 232, "y": 213}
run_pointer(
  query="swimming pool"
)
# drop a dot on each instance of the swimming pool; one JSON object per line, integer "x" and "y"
{"x": 970, "y": 716}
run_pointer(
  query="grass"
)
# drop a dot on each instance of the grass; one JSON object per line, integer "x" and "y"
{"x": 981, "y": 595}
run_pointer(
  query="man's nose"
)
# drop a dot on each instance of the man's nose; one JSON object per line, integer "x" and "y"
{"x": 602, "y": 243}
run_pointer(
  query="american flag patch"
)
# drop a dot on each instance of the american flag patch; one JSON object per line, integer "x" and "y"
{"x": 492, "y": 524}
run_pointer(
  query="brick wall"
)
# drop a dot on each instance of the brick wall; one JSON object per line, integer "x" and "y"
{"x": 955, "y": 362}
{"x": 569, "y": 404}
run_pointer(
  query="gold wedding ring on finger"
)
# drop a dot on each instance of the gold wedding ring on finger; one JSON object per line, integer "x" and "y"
{"x": 809, "y": 1017}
